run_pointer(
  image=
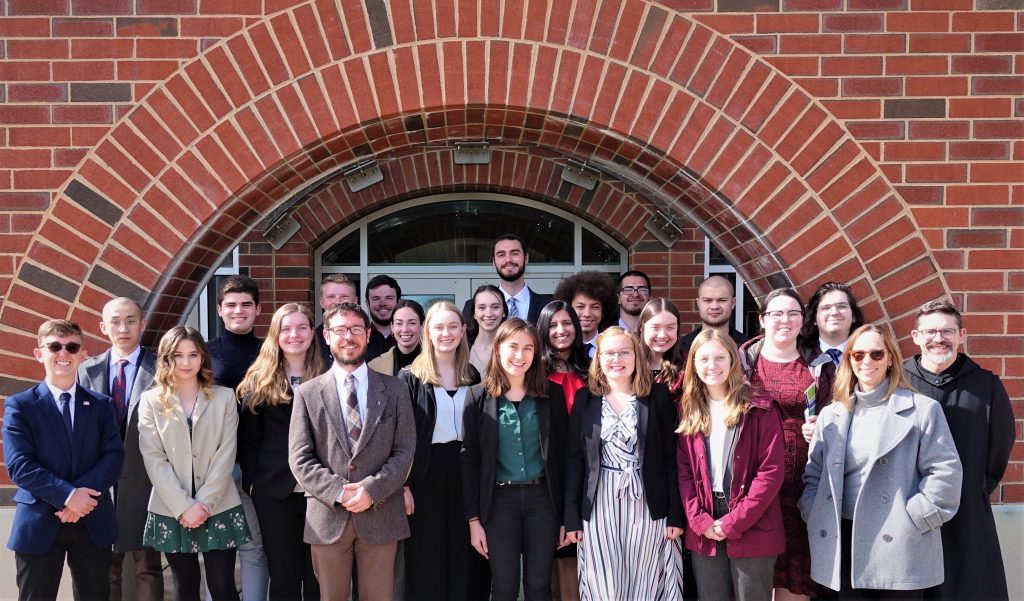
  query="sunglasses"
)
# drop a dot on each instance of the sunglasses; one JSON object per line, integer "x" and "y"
{"x": 72, "y": 347}
{"x": 875, "y": 355}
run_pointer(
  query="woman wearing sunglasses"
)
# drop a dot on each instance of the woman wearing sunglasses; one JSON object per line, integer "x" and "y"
{"x": 882, "y": 477}
{"x": 188, "y": 432}
{"x": 622, "y": 495}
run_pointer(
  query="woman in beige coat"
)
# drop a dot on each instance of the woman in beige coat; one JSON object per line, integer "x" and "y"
{"x": 187, "y": 435}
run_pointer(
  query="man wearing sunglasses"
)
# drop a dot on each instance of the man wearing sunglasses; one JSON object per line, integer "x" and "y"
{"x": 123, "y": 373}
{"x": 64, "y": 452}
{"x": 981, "y": 421}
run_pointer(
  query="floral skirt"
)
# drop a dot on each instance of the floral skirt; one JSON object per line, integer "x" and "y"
{"x": 226, "y": 530}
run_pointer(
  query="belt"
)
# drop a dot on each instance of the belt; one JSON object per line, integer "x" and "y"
{"x": 532, "y": 482}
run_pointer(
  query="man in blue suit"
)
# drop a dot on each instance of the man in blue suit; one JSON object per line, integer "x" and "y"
{"x": 64, "y": 452}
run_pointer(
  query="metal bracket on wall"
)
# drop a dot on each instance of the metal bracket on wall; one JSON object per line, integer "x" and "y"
{"x": 362, "y": 175}
{"x": 579, "y": 173}
{"x": 472, "y": 153}
{"x": 664, "y": 228}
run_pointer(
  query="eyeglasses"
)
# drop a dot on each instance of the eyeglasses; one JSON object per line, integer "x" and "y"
{"x": 944, "y": 332}
{"x": 54, "y": 347}
{"x": 631, "y": 290}
{"x": 128, "y": 323}
{"x": 876, "y": 355}
{"x": 341, "y": 331}
{"x": 780, "y": 315}
{"x": 609, "y": 355}
{"x": 837, "y": 306}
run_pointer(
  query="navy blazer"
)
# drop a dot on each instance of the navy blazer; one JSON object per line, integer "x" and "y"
{"x": 46, "y": 467}
{"x": 656, "y": 445}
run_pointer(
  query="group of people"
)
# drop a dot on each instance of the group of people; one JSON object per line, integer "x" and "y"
{"x": 579, "y": 447}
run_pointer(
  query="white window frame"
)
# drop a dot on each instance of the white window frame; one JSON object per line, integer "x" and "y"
{"x": 710, "y": 270}
{"x": 199, "y": 317}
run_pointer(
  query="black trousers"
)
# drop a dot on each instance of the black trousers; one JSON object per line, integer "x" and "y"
{"x": 38, "y": 576}
{"x": 846, "y": 590}
{"x": 288, "y": 558}
{"x": 220, "y": 575}
{"x": 522, "y": 524}
{"x": 437, "y": 552}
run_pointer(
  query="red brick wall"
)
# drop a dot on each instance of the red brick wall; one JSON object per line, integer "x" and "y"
{"x": 875, "y": 141}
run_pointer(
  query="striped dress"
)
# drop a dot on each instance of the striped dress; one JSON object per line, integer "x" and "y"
{"x": 624, "y": 553}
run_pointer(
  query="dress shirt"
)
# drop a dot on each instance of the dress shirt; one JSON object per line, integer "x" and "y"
{"x": 129, "y": 372}
{"x": 824, "y": 346}
{"x": 522, "y": 299}
{"x": 360, "y": 375}
{"x": 56, "y": 392}
{"x": 593, "y": 346}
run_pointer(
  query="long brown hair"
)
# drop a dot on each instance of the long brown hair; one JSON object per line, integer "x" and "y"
{"x": 164, "y": 378}
{"x": 424, "y": 366}
{"x": 496, "y": 383}
{"x": 672, "y": 359}
{"x": 643, "y": 379}
{"x": 846, "y": 381}
{"x": 695, "y": 416}
{"x": 265, "y": 382}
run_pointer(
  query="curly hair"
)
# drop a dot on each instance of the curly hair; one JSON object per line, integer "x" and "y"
{"x": 164, "y": 378}
{"x": 597, "y": 285}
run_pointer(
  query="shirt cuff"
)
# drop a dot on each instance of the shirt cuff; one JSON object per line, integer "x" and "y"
{"x": 69, "y": 497}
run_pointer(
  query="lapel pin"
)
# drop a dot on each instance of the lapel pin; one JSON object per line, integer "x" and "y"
{"x": 85, "y": 403}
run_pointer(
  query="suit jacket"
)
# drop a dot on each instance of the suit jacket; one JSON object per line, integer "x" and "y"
{"x": 479, "y": 454}
{"x": 263, "y": 450}
{"x": 131, "y": 495}
{"x": 537, "y": 302}
{"x": 424, "y": 407}
{"x": 322, "y": 462}
{"x": 47, "y": 467}
{"x": 912, "y": 487}
{"x": 656, "y": 445}
{"x": 178, "y": 461}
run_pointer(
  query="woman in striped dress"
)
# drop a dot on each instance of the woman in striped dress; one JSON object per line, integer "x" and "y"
{"x": 622, "y": 496}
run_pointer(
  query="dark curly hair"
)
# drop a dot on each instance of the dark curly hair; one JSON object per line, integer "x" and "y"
{"x": 597, "y": 285}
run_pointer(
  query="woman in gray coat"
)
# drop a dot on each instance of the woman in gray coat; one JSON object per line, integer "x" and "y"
{"x": 883, "y": 475}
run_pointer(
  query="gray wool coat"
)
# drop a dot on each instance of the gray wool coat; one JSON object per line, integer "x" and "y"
{"x": 911, "y": 488}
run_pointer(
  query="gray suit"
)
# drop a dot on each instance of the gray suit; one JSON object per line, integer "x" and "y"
{"x": 320, "y": 458}
{"x": 133, "y": 488}
{"x": 911, "y": 488}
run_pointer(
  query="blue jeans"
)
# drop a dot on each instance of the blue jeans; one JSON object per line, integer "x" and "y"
{"x": 522, "y": 522}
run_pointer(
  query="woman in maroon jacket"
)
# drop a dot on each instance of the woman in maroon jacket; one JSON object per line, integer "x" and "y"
{"x": 730, "y": 462}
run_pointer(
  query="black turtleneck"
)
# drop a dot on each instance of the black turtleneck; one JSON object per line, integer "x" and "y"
{"x": 403, "y": 359}
{"x": 232, "y": 354}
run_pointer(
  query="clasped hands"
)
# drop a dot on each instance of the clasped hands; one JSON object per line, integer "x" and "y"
{"x": 195, "y": 515}
{"x": 81, "y": 503}
{"x": 355, "y": 498}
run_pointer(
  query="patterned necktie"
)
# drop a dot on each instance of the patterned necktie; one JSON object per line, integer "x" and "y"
{"x": 352, "y": 419}
{"x": 513, "y": 307}
{"x": 117, "y": 392}
{"x": 65, "y": 411}
{"x": 835, "y": 354}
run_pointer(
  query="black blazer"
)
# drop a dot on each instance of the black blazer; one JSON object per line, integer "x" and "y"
{"x": 424, "y": 411}
{"x": 263, "y": 450}
{"x": 537, "y": 302}
{"x": 656, "y": 442}
{"x": 480, "y": 449}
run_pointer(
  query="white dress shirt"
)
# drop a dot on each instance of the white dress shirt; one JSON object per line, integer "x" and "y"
{"x": 360, "y": 375}
{"x": 522, "y": 300}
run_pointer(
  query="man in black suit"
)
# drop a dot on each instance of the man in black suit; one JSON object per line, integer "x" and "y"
{"x": 510, "y": 261}
{"x": 123, "y": 373}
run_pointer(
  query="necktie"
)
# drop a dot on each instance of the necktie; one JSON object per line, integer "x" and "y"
{"x": 835, "y": 354}
{"x": 352, "y": 419}
{"x": 65, "y": 411}
{"x": 117, "y": 392}
{"x": 513, "y": 307}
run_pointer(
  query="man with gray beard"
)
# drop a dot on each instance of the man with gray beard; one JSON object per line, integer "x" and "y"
{"x": 981, "y": 420}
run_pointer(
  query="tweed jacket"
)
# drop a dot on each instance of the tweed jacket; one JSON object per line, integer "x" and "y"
{"x": 178, "y": 461}
{"x": 911, "y": 488}
{"x": 133, "y": 487}
{"x": 322, "y": 462}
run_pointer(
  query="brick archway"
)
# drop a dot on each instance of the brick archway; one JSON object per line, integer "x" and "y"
{"x": 686, "y": 117}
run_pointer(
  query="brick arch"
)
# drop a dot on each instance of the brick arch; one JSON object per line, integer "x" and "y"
{"x": 690, "y": 120}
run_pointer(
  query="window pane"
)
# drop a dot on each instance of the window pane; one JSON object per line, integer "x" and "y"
{"x": 464, "y": 232}
{"x": 715, "y": 256}
{"x": 344, "y": 251}
{"x": 597, "y": 252}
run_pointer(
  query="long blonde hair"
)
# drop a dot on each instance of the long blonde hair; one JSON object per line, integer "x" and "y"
{"x": 164, "y": 378}
{"x": 424, "y": 366}
{"x": 695, "y": 416}
{"x": 265, "y": 382}
{"x": 846, "y": 381}
{"x": 643, "y": 379}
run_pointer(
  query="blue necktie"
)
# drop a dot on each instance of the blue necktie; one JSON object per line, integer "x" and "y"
{"x": 836, "y": 354}
{"x": 513, "y": 307}
{"x": 65, "y": 411}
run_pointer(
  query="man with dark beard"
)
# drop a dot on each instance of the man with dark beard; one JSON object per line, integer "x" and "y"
{"x": 716, "y": 298}
{"x": 981, "y": 421}
{"x": 382, "y": 294}
{"x": 510, "y": 261}
{"x": 634, "y": 290}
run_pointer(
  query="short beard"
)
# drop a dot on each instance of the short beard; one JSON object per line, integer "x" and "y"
{"x": 374, "y": 319}
{"x": 511, "y": 278}
{"x": 725, "y": 320}
{"x": 357, "y": 361}
{"x": 634, "y": 312}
